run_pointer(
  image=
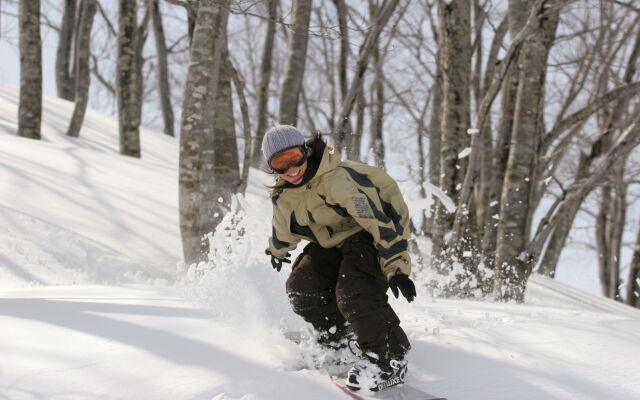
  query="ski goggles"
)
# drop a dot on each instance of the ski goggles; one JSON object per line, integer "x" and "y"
{"x": 292, "y": 157}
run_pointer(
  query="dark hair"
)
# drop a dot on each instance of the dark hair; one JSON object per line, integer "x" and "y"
{"x": 315, "y": 148}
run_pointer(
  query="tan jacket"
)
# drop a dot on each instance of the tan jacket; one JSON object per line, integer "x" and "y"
{"x": 343, "y": 198}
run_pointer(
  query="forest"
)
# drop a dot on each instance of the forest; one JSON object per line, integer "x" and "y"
{"x": 522, "y": 113}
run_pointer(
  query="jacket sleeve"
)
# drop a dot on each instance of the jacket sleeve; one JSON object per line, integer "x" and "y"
{"x": 381, "y": 210}
{"x": 281, "y": 240}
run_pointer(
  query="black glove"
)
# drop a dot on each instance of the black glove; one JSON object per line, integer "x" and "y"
{"x": 404, "y": 284}
{"x": 277, "y": 262}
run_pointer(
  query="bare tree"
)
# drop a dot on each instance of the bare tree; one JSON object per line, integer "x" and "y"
{"x": 609, "y": 230}
{"x": 226, "y": 173}
{"x": 622, "y": 146}
{"x": 515, "y": 207}
{"x": 162, "y": 53}
{"x": 127, "y": 83}
{"x": 633, "y": 281}
{"x": 64, "y": 55}
{"x": 82, "y": 72}
{"x": 379, "y": 21}
{"x": 263, "y": 88}
{"x": 377, "y": 114}
{"x": 30, "y": 107}
{"x": 238, "y": 82}
{"x": 455, "y": 64}
{"x": 342, "y": 12}
{"x": 298, "y": 40}
{"x": 617, "y": 101}
{"x": 197, "y": 140}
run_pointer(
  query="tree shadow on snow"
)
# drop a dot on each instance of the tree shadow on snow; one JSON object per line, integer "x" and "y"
{"x": 459, "y": 374}
{"x": 83, "y": 316}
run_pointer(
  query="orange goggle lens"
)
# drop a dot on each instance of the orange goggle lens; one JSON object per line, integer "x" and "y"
{"x": 293, "y": 157}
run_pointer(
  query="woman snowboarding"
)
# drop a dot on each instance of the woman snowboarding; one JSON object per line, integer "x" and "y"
{"x": 357, "y": 225}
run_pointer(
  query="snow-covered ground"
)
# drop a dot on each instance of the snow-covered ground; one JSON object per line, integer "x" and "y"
{"x": 93, "y": 304}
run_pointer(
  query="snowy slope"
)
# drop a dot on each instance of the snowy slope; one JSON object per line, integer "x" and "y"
{"x": 92, "y": 305}
{"x": 110, "y": 204}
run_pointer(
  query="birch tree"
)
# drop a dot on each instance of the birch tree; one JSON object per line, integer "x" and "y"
{"x": 127, "y": 83}
{"x": 297, "y": 54}
{"x": 30, "y": 106}
{"x": 197, "y": 140}
{"x": 455, "y": 64}
{"x": 512, "y": 272}
{"x": 64, "y": 54}
{"x": 263, "y": 88}
{"x": 162, "y": 68}
{"x": 225, "y": 175}
{"x": 377, "y": 102}
{"x": 633, "y": 280}
{"x": 609, "y": 230}
{"x": 82, "y": 72}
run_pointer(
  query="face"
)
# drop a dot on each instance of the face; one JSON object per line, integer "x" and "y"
{"x": 294, "y": 174}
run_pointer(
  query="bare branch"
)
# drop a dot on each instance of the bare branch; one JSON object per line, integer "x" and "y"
{"x": 627, "y": 5}
{"x": 105, "y": 17}
{"x": 588, "y": 110}
{"x": 629, "y": 139}
{"x": 101, "y": 79}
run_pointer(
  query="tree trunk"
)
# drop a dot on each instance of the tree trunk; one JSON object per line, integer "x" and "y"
{"x": 224, "y": 179}
{"x": 141, "y": 38}
{"x": 298, "y": 39}
{"x": 619, "y": 216}
{"x": 602, "y": 242}
{"x": 371, "y": 39}
{"x": 341, "y": 9}
{"x": 238, "y": 82}
{"x": 329, "y": 69}
{"x": 488, "y": 194}
{"x": 30, "y": 107}
{"x": 435, "y": 137}
{"x": 424, "y": 228}
{"x": 516, "y": 20}
{"x": 82, "y": 73}
{"x": 558, "y": 240}
{"x": 455, "y": 64}
{"x": 197, "y": 141}
{"x": 64, "y": 55}
{"x": 435, "y": 123}
{"x": 164, "y": 86}
{"x": 127, "y": 79}
{"x": 633, "y": 282}
{"x": 561, "y": 231}
{"x": 512, "y": 272}
{"x": 377, "y": 114}
{"x": 609, "y": 230}
{"x": 263, "y": 89}
{"x": 361, "y": 106}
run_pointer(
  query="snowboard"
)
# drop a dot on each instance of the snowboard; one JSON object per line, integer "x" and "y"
{"x": 398, "y": 392}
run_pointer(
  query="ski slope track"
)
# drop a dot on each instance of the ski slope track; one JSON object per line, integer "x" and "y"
{"x": 94, "y": 303}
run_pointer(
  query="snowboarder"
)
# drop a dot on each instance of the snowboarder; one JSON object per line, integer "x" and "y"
{"x": 357, "y": 225}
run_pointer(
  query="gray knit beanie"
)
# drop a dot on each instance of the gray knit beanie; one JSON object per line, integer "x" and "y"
{"x": 279, "y": 138}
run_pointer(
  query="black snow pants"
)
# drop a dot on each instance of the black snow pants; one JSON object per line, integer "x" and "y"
{"x": 329, "y": 287}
